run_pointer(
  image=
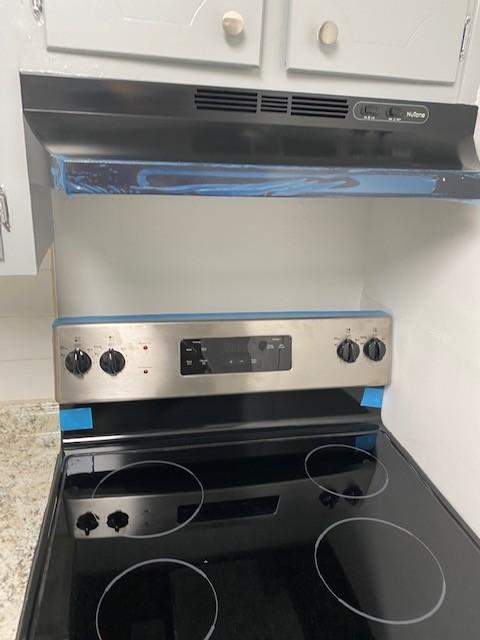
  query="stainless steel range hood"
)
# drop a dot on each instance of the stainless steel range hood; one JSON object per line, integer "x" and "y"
{"x": 123, "y": 137}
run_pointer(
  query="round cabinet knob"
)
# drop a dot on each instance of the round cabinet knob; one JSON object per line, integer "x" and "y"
{"x": 78, "y": 362}
{"x": 375, "y": 349}
{"x": 233, "y": 23}
{"x": 328, "y": 33}
{"x": 348, "y": 351}
{"x": 112, "y": 362}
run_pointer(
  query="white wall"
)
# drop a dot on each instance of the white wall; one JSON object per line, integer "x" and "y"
{"x": 151, "y": 254}
{"x": 418, "y": 259}
{"x": 425, "y": 269}
{"x": 27, "y": 309}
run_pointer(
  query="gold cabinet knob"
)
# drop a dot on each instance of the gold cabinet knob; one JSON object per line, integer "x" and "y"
{"x": 328, "y": 33}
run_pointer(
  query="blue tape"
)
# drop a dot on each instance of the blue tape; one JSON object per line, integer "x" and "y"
{"x": 372, "y": 397}
{"x": 241, "y": 315}
{"x": 367, "y": 442}
{"x": 76, "y": 419}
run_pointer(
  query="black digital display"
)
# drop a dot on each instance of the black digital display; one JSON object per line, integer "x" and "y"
{"x": 235, "y": 355}
{"x": 234, "y": 347}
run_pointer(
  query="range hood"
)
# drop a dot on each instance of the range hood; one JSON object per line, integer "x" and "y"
{"x": 123, "y": 137}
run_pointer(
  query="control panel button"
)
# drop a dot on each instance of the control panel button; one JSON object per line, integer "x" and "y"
{"x": 112, "y": 362}
{"x": 348, "y": 351}
{"x": 370, "y": 109}
{"x": 375, "y": 349}
{"x": 395, "y": 112}
{"x": 78, "y": 362}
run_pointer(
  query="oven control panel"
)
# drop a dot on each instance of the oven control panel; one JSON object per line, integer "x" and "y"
{"x": 137, "y": 360}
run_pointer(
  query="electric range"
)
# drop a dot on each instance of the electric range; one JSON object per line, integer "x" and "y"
{"x": 220, "y": 478}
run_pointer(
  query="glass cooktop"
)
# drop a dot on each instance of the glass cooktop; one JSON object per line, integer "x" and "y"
{"x": 290, "y": 538}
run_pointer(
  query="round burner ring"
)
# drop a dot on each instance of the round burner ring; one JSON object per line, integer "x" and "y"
{"x": 181, "y": 563}
{"x": 368, "y": 616}
{"x": 347, "y": 446}
{"x": 162, "y": 462}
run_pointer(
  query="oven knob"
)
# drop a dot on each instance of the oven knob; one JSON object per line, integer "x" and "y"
{"x": 117, "y": 520}
{"x": 112, "y": 362}
{"x": 328, "y": 499}
{"x": 87, "y": 522}
{"x": 348, "y": 350}
{"x": 78, "y": 362}
{"x": 375, "y": 349}
{"x": 353, "y": 494}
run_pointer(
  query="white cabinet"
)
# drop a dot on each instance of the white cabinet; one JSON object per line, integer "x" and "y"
{"x": 417, "y": 40}
{"x": 213, "y": 31}
{"x": 27, "y": 193}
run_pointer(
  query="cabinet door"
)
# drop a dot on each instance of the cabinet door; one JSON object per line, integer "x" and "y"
{"x": 172, "y": 29}
{"x": 416, "y": 40}
{"x": 25, "y": 240}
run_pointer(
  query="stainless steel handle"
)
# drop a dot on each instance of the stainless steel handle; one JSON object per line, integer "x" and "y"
{"x": 37, "y": 9}
{"x": 4, "y": 213}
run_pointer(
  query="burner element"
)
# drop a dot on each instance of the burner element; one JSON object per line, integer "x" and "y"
{"x": 141, "y": 594}
{"x": 152, "y": 491}
{"x": 380, "y": 571}
{"x": 87, "y": 522}
{"x": 346, "y": 472}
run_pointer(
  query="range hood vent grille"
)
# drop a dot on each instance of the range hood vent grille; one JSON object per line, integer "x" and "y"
{"x": 319, "y": 107}
{"x": 274, "y": 104}
{"x": 226, "y": 100}
{"x": 231, "y": 100}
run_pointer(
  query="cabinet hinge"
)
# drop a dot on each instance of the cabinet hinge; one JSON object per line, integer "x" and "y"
{"x": 466, "y": 33}
{"x": 4, "y": 214}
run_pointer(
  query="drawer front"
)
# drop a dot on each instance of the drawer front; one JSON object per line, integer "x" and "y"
{"x": 186, "y": 30}
{"x": 416, "y": 40}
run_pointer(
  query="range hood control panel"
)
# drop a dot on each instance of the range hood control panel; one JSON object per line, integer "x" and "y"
{"x": 124, "y": 360}
{"x": 391, "y": 112}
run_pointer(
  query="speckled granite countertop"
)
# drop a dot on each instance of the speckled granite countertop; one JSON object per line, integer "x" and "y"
{"x": 29, "y": 444}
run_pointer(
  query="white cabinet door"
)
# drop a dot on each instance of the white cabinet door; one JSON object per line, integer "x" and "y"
{"x": 417, "y": 40}
{"x": 193, "y": 30}
{"x": 30, "y": 231}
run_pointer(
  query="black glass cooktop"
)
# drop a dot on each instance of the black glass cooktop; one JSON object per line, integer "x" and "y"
{"x": 311, "y": 537}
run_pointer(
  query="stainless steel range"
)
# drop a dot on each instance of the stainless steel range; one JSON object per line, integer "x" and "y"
{"x": 221, "y": 477}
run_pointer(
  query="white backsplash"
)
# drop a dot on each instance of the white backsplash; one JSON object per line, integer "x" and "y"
{"x": 27, "y": 309}
{"x": 152, "y": 254}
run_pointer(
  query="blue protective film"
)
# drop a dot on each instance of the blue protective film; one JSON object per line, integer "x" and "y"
{"x": 83, "y": 176}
